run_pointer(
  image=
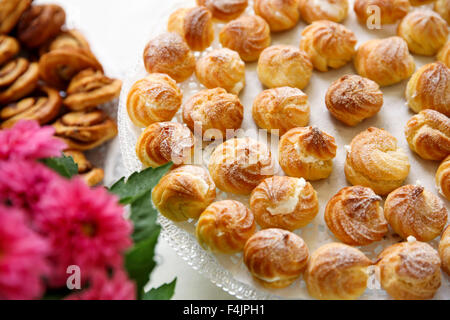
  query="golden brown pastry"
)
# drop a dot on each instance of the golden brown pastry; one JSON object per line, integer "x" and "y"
{"x": 444, "y": 250}
{"x": 284, "y": 202}
{"x": 337, "y": 271}
{"x": 307, "y": 153}
{"x": 169, "y": 54}
{"x": 314, "y": 10}
{"x": 420, "y": 2}
{"x": 66, "y": 39}
{"x": 280, "y": 14}
{"x": 410, "y": 270}
{"x": 221, "y": 68}
{"x": 375, "y": 161}
{"x": 355, "y": 216}
{"x": 428, "y": 134}
{"x": 92, "y": 176}
{"x": 225, "y": 226}
{"x": 9, "y": 48}
{"x": 275, "y": 257}
{"x": 18, "y": 78}
{"x": 424, "y": 31}
{"x": 216, "y": 110}
{"x": 247, "y": 35}
{"x": 385, "y": 61}
{"x": 443, "y": 8}
{"x": 44, "y": 106}
{"x": 281, "y": 109}
{"x": 194, "y": 25}
{"x": 85, "y": 130}
{"x": 352, "y": 98}
{"x": 328, "y": 44}
{"x": 184, "y": 193}
{"x": 10, "y": 12}
{"x": 239, "y": 165}
{"x": 155, "y": 98}
{"x": 224, "y": 10}
{"x": 429, "y": 88}
{"x": 390, "y": 10}
{"x": 443, "y": 178}
{"x": 283, "y": 65}
{"x": 413, "y": 211}
{"x": 444, "y": 54}
{"x": 163, "y": 142}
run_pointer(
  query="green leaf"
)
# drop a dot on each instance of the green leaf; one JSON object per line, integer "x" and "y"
{"x": 65, "y": 166}
{"x": 164, "y": 292}
{"x": 143, "y": 215}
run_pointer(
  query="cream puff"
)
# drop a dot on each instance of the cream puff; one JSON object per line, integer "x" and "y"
{"x": 443, "y": 178}
{"x": 444, "y": 54}
{"x": 443, "y": 8}
{"x": 224, "y": 10}
{"x": 333, "y": 10}
{"x": 390, "y": 10}
{"x": 281, "y": 15}
{"x": 444, "y": 250}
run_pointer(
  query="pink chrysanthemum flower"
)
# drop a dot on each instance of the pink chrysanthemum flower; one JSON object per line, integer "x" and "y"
{"x": 85, "y": 227}
{"x": 27, "y": 140}
{"x": 22, "y": 257}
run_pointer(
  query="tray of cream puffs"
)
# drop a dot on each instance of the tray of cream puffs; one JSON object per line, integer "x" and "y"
{"x": 310, "y": 142}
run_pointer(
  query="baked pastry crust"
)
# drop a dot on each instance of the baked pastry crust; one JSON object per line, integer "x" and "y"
{"x": 247, "y": 35}
{"x": 410, "y": 270}
{"x": 10, "y": 13}
{"x": 9, "y": 48}
{"x": 424, "y": 31}
{"x": 428, "y": 134}
{"x": 375, "y": 161}
{"x": 67, "y": 39}
{"x": 92, "y": 176}
{"x": 333, "y": 10}
{"x": 221, "y": 68}
{"x": 443, "y": 8}
{"x": 275, "y": 257}
{"x": 353, "y": 98}
{"x": 239, "y": 165}
{"x": 390, "y": 10}
{"x": 385, "y": 61}
{"x": 284, "y": 202}
{"x": 328, "y": 44}
{"x": 168, "y": 53}
{"x": 224, "y": 10}
{"x": 429, "y": 88}
{"x": 337, "y": 271}
{"x": 225, "y": 226}
{"x": 18, "y": 78}
{"x": 281, "y": 109}
{"x": 194, "y": 25}
{"x": 444, "y": 250}
{"x": 413, "y": 211}
{"x": 307, "y": 152}
{"x": 281, "y": 15}
{"x": 155, "y": 98}
{"x": 444, "y": 54}
{"x": 184, "y": 193}
{"x": 283, "y": 65}
{"x": 355, "y": 216}
{"x": 443, "y": 178}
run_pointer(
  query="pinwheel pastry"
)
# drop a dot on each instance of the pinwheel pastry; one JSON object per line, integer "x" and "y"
{"x": 9, "y": 48}
{"x": 10, "y": 12}
{"x": 18, "y": 78}
{"x": 239, "y": 165}
{"x": 43, "y": 106}
{"x": 410, "y": 270}
{"x": 275, "y": 257}
{"x": 91, "y": 175}
{"x": 352, "y": 98}
{"x": 413, "y": 211}
{"x": 333, "y": 10}
{"x": 390, "y": 10}
{"x": 337, "y": 271}
{"x": 328, "y": 44}
{"x": 247, "y": 35}
{"x": 444, "y": 250}
{"x": 280, "y": 14}
{"x": 443, "y": 8}
{"x": 283, "y": 65}
{"x": 194, "y": 25}
{"x": 385, "y": 61}
{"x": 85, "y": 130}
{"x": 307, "y": 153}
{"x": 428, "y": 134}
{"x": 155, "y": 98}
{"x": 424, "y": 31}
{"x": 225, "y": 226}
{"x": 91, "y": 88}
{"x": 429, "y": 88}
{"x": 355, "y": 216}
{"x": 224, "y": 10}
{"x": 184, "y": 193}
{"x": 281, "y": 109}
{"x": 215, "y": 110}
{"x": 66, "y": 39}
{"x": 221, "y": 68}
{"x": 443, "y": 178}
{"x": 169, "y": 54}
{"x": 375, "y": 161}
{"x": 284, "y": 202}
{"x": 444, "y": 54}
{"x": 39, "y": 24}
{"x": 163, "y": 142}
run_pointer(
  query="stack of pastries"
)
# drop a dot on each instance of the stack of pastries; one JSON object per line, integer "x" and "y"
{"x": 272, "y": 205}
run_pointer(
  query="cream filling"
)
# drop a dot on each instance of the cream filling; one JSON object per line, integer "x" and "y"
{"x": 411, "y": 239}
{"x": 289, "y": 204}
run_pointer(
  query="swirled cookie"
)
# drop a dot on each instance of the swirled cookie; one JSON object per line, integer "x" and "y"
{"x": 9, "y": 48}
